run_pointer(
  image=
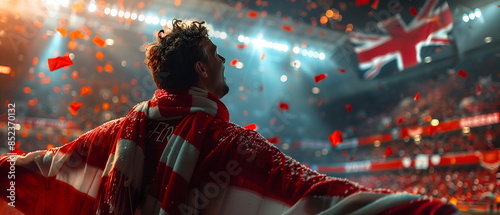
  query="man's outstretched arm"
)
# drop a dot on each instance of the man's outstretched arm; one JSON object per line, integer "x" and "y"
{"x": 253, "y": 174}
{"x": 59, "y": 180}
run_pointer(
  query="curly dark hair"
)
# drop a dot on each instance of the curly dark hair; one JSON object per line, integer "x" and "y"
{"x": 172, "y": 57}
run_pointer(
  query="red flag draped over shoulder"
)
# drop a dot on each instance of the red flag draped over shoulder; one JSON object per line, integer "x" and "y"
{"x": 208, "y": 166}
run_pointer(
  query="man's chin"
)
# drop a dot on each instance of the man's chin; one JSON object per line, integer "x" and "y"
{"x": 225, "y": 91}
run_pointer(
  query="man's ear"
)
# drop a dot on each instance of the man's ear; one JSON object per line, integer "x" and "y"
{"x": 200, "y": 69}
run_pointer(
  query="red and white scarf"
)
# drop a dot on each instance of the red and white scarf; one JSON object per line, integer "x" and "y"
{"x": 124, "y": 168}
{"x": 101, "y": 172}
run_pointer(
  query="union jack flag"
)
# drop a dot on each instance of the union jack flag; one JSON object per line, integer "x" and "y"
{"x": 402, "y": 42}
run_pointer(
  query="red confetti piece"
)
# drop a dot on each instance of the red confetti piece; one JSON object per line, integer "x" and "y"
{"x": 345, "y": 153}
{"x": 462, "y": 73}
{"x": 85, "y": 90}
{"x": 233, "y": 62}
{"x": 74, "y": 75}
{"x": 72, "y": 45}
{"x": 413, "y": 11}
{"x": 283, "y": 106}
{"x": 99, "y": 41}
{"x": 108, "y": 68}
{"x": 59, "y": 62}
{"x": 241, "y": 46}
{"x": 404, "y": 133}
{"x": 335, "y": 138}
{"x": 32, "y": 102}
{"x": 478, "y": 89}
{"x": 274, "y": 140}
{"x": 287, "y": 28}
{"x": 252, "y": 126}
{"x": 388, "y": 151}
{"x": 253, "y": 14}
{"x": 417, "y": 96}
{"x": 351, "y": 158}
{"x": 320, "y": 77}
{"x": 374, "y": 4}
{"x": 99, "y": 55}
{"x": 400, "y": 121}
{"x": 341, "y": 70}
{"x": 76, "y": 34}
{"x": 74, "y": 106}
{"x": 348, "y": 107}
{"x": 362, "y": 2}
{"x": 62, "y": 31}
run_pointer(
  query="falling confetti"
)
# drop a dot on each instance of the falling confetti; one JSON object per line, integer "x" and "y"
{"x": 341, "y": 70}
{"x": 348, "y": 107}
{"x": 85, "y": 90}
{"x": 335, "y": 138}
{"x": 399, "y": 121}
{"x": 253, "y": 14}
{"x": 74, "y": 75}
{"x": 274, "y": 140}
{"x": 404, "y": 133}
{"x": 362, "y": 2}
{"x": 72, "y": 45}
{"x": 413, "y": 11}
{"x": 252, "y": 126}
{"x": 478, "y": 89}
{"x": 388, "y": 151}
{"x": 59, "y": 62}
{"x": 62, "y": 31}
{"x": 462, "y": 73}
{"x": 283, "y": 106}
{"x": 76, "y": 34}
{"x": 263, "y": 55}
{"x": 374, "y": 4}
{"x": 32, "y": 102}
{"x": 241, "y": 46}
{"x": 35, "y": 61}
{"x": 417, "y": 96}
{"x": 233, "y": 62}
{"x": 287, "y": 28}
{"x": 99, "y": 55}
{"x": 345, "y": 153}
{"x": 74, "y": 106}
{"x": 99, "y": 41}
{"x": 320, "y": 77}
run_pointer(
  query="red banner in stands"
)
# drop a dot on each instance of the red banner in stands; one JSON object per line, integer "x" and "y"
{"x": 490, "y": 158}
{"x": 428, "y": 130}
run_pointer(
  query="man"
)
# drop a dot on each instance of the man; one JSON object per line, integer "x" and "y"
{"x": 179, "y": 154}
